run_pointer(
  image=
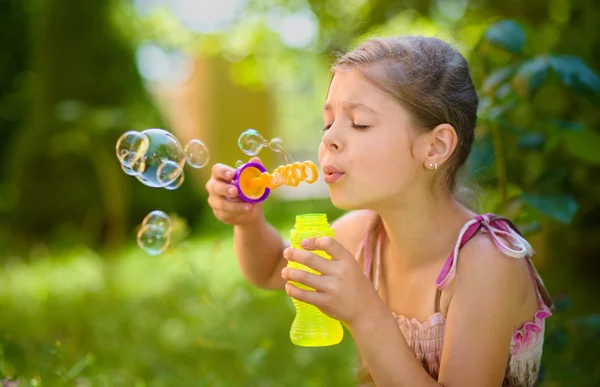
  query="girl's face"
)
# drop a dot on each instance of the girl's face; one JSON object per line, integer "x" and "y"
{"x": 366, "y": 151}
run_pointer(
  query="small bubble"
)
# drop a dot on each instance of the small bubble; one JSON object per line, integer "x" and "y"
{"x": 137, "y": 168}
{"x": 276, "y": 145}
{"x": 196, "y": 153}
{"x": 176, "y": 183}
{"x": 251, "y": 142}
{"x": 168, "y": 172}
{"x": 239, "y": 163}
{"x": 158, "y": 218}
{"x": 131, "y": 146}
{"x": 153, "y": 239}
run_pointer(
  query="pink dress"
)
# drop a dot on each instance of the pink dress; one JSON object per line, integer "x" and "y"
{"x": 427, "y": 338}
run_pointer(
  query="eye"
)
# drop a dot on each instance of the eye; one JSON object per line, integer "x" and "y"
{"x": 326, "y": 128}
{"x": 360, "y": 127}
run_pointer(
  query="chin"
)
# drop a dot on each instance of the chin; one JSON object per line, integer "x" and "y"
{"x": 345, "y": 202}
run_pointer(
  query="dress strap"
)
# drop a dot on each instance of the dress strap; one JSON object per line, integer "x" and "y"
{"x": 438, "y": 297}
{"x": 500, "y": 230}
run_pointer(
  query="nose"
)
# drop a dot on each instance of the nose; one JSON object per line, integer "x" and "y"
{"x": 332, "y": 140}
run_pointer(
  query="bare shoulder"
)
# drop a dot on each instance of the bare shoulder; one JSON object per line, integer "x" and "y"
{"x": 484, "y": 270}
{"x": 351, "y": 227}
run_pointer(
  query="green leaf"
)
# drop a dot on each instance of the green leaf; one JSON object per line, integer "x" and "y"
{"x": 584, "y": 145}
{"x": 492, "y": 81}
{"x": 575, "y": 73}
{"x": 532, "y": 141}
{"x": 482, "y": 156}
{"x": 567, "y": 125}
{"x": 507, "y": 34}
{"x": 550, "y": 179}
{"x": 531, "y": 75}
{"x": 561, "y": 207}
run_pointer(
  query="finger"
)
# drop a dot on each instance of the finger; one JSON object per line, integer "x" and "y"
{"x": 219, "y": 204}
{"x": 328, "y": 245}
{"x": 313, "y": 281}
{"x": 310, "y": 297}
{"x": 223, "y": 172}
{"x": 256, "y": 160}
{"x": 308, "y": 259}
{"x": 223, "y": 189}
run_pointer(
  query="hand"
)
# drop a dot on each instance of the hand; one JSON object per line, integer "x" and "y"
{"x": 342, "y": 291}
{"x": 223, "y": 198}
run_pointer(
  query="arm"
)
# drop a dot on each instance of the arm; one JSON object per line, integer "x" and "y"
{"x": 385, "y": 352}
{"x": 259, "y": 250}
{"x": 489, "y": 295}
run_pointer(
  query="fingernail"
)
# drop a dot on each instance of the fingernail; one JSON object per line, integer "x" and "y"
{"x": 231, "y": 191}
{"x": 286, "y": 253}
{"x": 283, "y": 272}
{"x": 229, "y": 174}
{"x": 246, "y": 208}
{"x": 304, "y": 243}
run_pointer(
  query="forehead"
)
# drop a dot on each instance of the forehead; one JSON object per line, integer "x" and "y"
{"x": 349, "y": 87}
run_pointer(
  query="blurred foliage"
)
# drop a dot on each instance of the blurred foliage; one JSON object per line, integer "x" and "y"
{"x": 78, "y": 309}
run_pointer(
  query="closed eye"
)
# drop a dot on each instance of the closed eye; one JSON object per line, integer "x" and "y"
{"x": 360, "y": 127}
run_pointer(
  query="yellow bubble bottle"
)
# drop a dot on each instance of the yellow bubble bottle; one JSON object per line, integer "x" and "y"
{"x": 311, "y": 327}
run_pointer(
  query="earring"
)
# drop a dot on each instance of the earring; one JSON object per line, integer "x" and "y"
{"x": 430, "y": 165}
{"x": 435, "y": 166}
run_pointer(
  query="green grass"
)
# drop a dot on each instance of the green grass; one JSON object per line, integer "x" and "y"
{"x": 185, "y": 318}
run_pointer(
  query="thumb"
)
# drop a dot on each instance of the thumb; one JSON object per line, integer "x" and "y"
{"x": 256, "y": 160}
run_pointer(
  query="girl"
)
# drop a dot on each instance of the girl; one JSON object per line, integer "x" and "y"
{"x": 432, "y": 293}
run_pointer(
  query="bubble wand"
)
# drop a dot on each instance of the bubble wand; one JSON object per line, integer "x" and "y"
{"x": 254, "y": 183}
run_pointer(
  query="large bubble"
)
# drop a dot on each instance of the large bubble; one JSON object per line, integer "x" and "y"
{"x": 251, "y": 142}
{"x": 163, "y": 148}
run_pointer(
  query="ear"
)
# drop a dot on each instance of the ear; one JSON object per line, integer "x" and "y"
{"x": 439, "y": 145}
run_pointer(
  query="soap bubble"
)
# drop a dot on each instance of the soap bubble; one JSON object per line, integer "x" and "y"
{"x": 251, "y": 142}
{"x": 164, "y": 152}
{"x": 176, "y": 183}
{"x": 137, "y": 168}
{"x": 159, "y": 219}
{"x": 196, "y": 153}
{"x": 153, "y": 239}
{"x": 168, "y": 172}
{"x": 239, "y": 163}
{"x": 276, "y": 145}
{"x": 130, "y": 148}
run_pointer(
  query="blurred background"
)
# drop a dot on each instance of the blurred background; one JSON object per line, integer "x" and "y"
{"x": 82, "y": 305}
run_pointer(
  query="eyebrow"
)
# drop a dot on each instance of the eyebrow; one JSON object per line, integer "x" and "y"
{"x": 347, "y": 105}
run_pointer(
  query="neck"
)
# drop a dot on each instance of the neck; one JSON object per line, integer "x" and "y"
{"x": 423, "y": 230}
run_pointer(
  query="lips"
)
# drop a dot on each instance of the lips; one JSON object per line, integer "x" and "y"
{"x": 332, "y": 174}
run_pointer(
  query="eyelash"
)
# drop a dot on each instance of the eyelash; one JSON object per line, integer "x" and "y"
{"x": 357, "y": 127}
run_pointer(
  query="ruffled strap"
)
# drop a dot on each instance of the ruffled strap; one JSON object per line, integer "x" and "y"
{"x": 500, "y": 232}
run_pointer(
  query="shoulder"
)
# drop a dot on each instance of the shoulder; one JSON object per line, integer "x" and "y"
{"x": 352, "y": 227}
{"x": 487, "y": 276}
